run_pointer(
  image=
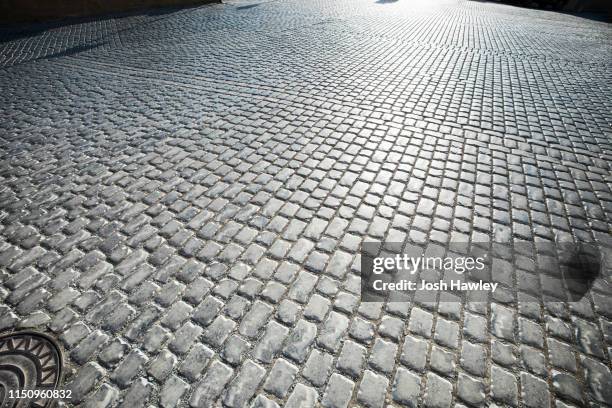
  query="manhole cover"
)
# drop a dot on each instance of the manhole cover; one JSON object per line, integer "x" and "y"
{"x": 28, "y": 361}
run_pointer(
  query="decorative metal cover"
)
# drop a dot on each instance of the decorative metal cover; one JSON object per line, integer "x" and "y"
{"x": 28, "y": 361}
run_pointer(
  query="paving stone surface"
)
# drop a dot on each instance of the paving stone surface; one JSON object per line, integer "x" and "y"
{"x": 183, "y": 197}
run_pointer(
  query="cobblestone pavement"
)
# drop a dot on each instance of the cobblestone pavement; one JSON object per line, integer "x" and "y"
{"x": 184, "y": 194}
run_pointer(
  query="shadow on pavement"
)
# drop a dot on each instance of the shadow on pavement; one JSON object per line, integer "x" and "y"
{"x": 248, "y": 6}
{"x": 11, "y": 32}
{"x": 72, "y": 51}
{"x": 597, "y": 13}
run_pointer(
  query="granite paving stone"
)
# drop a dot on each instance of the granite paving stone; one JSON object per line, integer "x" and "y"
{"x": 185, "y": 193}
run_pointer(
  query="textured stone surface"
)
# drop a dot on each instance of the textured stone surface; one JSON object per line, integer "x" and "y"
{"x": 339, "y": 392}
{"x": 372, "y": 390}
{"x": 183, "y": 197}
{"x": 280, "y": 378}
{"x": 406, "y": 388}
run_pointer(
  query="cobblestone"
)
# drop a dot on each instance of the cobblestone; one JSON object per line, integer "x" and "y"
{"x": 535, "y": 391}
{"x": 362, "y": 330}
{"x": 597, "y": 376}
{"x": 470, "y": 390}
{"x": 406, "y": 388}
{"x": 86, "y": 348}
{"x": 218, "y": 331}
{"x": 255, "y": 319}
{"x": 184, "y": 338}
{"x": 382, "y": 356}
{"x": 317, "y": 367}
{"x": 391, "y": 327}
{"x": 420, "y": 322}
{"x": 338, "y": 393}
{"x": 271, "y": 342}
{"x": 235, "y": 349}
{"x": 127, "y": 370}
{"x": 300, "y": 340}
{"x": 172, "y": 391}
{"x": 162, "y": 365}
{"x": 85, "y": 380}
{"x": 473, "y": 358}
{"x": 332, "y": 331}
{"x": 155, "y": 338}
{"x": 352, "y": 358}
{"x": 438, "y": 392}
{"x": 446, "y": 333}
{"x": 533, "y": 360}
{"x": 503, "y": 354}
{"x": 211, "y": 385}
{"x": 442, "y": 361}
{"x": 184, "y": 195}
{"x": 414, "y": 353}
{"x": 504, "y": 386}
{"x": 372, "y": 390}
{"x": 138, "y": 394}
{"x": 244, "y": 385}
{"x": 302, "y": 397}
{"x": 114, "y": 352}
{"x": 567, "y": 387}
{"x": 104, "y": 397}
{"x": 263, "y": 402}
{"x": 280, "y": 378}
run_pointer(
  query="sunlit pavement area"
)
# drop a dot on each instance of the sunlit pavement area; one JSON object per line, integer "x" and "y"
{"x": 183, "y": 196}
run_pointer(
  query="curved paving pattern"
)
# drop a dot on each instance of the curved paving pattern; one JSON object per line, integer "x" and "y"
{"x": 183, "y": 196}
